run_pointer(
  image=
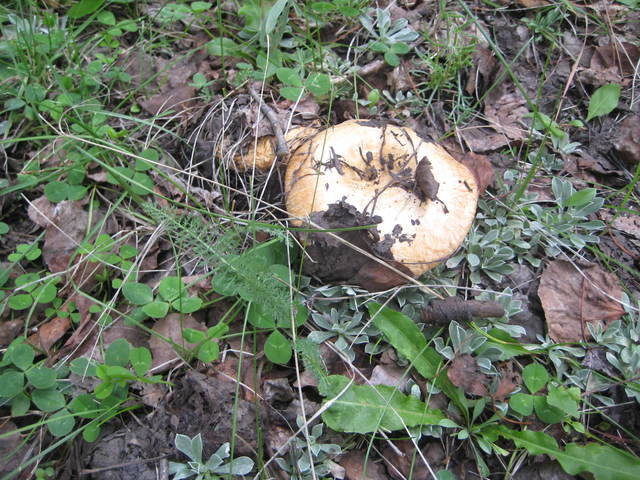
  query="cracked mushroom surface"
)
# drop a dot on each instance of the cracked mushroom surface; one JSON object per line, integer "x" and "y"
{"x": 421, "y": 199}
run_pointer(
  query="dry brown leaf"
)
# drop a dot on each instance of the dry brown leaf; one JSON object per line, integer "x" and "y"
{"x": 12, "y": 450}
{"x": 484, "y": 67}
{"x": 375, "y": 277}
{"x": 532, "y": 3}
{"x": 65, "y": 231}
{"x": 480, "y": 138}
{"x": 170, "y": 327}
{"x": 611, "y": 63}
{"x": 481, "y": 168}
{"x": 505, "y": 108}
{"x": 627, "y": 140}
{"x": 40, "y": 211}
{"x": 358, "y": 467}
{"x": 465, "y": 373}
{"x": 49, "y": 333}
{"x": 403, "y": 462}
{"x": 509, "y": 381}
{"x": 9, "y": 330}
{"x": 389, "y": 375}
{"x": 570, "y": 298}
{"x": 623, "y": 57}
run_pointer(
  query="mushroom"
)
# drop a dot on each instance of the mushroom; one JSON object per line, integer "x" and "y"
{"x": 420, "y": 200}
{"x": 262, "y": 153}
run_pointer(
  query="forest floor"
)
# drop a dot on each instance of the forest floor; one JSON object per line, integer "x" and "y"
{"x": 167, "y": 311}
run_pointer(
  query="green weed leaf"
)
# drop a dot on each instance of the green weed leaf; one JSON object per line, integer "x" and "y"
{"x": 137, "y": 293}
{"x": 392, "y": 59}
{"x": 277, "y": 348}
{"x": 191, "y": 335}
{"x": 603, "y": 101}
{"x": 48, "y": 400}
{"x": 21, "y": 301}
{"x": 289, "y": 76}
{"x": 84, "y": 7}
{"x": 22, "y": 356}
{"x": 61, "y": 423}
{"x": 581, "y": 198}
{"x": 156, "y": 309}
{"x": 91, "y": 432}
{"x": 603, "y": 461}
{"x": 367, "y": 409}
{"x": 42, "y": 377}
{"x": 140, "y": 358}
{"x": 405, "y": 336}
{"x": 11, "y": 383}
{"x": 222, "y": 46}
{"x": 209, "y": 351}
{"x": 535, "y": 377}
{"x": 545, "y": 412}
{"x": 292, "y": 93}
{"x": 84, "y": 406}
{"x": 565, "y": 399}
{"x": 187, "y": 305}
{"x": 118, "y": 353}
{"x": 171, "y": 288}
{"x": 318, "y": 83}
{"x": 20, "y": 405}
{"x": 273, "y": 15}
{"x": 522, "y": 403}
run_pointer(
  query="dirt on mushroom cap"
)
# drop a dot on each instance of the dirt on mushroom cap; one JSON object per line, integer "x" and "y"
{"x": 373, "y": 168}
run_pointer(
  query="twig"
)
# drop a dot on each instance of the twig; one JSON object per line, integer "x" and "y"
{"x": 454, "y": 308}
{"x": 282, "y": 150}
{"x": 88, "y": 471}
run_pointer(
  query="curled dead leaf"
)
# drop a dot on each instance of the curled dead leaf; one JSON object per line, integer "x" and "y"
{"x": 481, "y": 168}
{"x": 571, "y": 298}
{"x": 464, "y": 372}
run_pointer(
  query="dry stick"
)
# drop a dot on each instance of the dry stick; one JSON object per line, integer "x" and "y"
{"x": 88, "y": 471}
{"x": 282, "y": 150}
{"x": 441, "y": 312}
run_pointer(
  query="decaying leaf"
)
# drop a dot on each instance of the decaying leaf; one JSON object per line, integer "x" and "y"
{"x": 481, "y": 168}
{"x": 389, "y": 375}
{"x": 465, "y": 373}
{"x": 509, "y": 381}
{"x": 358, "y": 467}
{"x": 505, "y": 108}
{"x": 65, "y": 231}
{"x": 572, "y": 297}
{"x": 170, "y": 327}
{"x": 403, "y": 462}
{"x": 627, "y": 140}
{"x": 50, "y": 333}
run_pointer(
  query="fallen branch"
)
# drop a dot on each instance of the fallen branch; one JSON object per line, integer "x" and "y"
{"x": 442, "y": 312}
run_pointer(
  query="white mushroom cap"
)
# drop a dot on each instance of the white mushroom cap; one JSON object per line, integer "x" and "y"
{"x": 372, "y": 167}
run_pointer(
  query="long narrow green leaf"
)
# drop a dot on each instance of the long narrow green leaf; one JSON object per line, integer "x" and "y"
{"x": 367, "y": 409}
{"x": 603, "y": 461}
{"x": 405, "y": 336}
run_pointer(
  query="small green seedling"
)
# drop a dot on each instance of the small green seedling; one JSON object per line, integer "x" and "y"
{"x": 23, "y": 383}
{"x": 390, "y": 38}
{"x": 214, "y": 468}
{"x": 603, "y": 101}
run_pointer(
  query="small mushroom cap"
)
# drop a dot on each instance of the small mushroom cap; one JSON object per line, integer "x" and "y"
{"x": 262, "y": 153}
{"x": 372, "y": 167}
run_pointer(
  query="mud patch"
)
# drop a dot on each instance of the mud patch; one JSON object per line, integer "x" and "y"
{"x": 331, "y": 260}
{"x": 201, "y": 403}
